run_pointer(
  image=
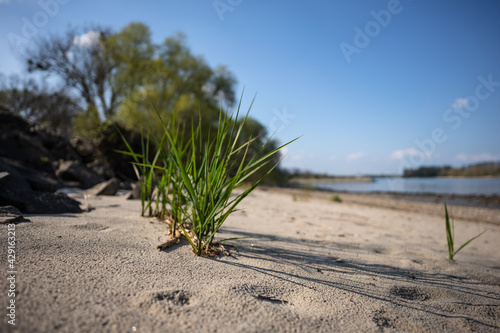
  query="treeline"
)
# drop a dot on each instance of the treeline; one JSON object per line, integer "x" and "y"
{"x": 474, "y": 170}
{"x": 100, "y": 79}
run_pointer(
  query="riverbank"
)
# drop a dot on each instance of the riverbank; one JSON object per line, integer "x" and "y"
{"x": 467, "y": 207}
{"x": 313, "y": 180}
{"x": 312, "y": 265}
{"x": 426, "y": 190}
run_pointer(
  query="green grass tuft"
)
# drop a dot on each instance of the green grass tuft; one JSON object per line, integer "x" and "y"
{"x": 196, "y": 179}
{"x": 336, "y": 198}
{"x": 450, "y": 235}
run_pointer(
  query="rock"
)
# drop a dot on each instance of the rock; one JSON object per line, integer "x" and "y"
{"x": 110, "y": 142}
{"x": 10, "y": 214}
{"x": 10, "y": 183}
{"x": 135, "y": 193}
{"x": 9, "y": 121}
{"x": 84, "y": 149}
{"x": 101, "y": 169}
{"x": 38, "y": 180}
{"x": 41, "y": 182}
{"x": 75, "y": 171}
{"x": 50, "y": 203}
{"x": 18, "y": 142}
{"x": 126, "y": 185}
{"x": 109, "y": 187}
{"x": 17, "y": 191}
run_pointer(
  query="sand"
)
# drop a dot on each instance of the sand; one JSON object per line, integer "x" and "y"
{"x": 313, "y": 265}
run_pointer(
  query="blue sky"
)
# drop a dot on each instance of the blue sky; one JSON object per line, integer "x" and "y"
{"x": 371, "y": 86}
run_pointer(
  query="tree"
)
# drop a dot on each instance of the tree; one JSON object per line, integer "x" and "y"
{"x": 102, "y": 67}
{"x": 76, "y": 60}
{"x": 178, "y": 81}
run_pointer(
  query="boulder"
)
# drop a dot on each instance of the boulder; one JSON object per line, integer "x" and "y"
{"x": 10, "y": 214}
{"x": 50, "y": 203}
{"x": 110, "y": 143}
{"x": 17, "y": 191}
{"x": 101, "y": 169}
{"x": 19, "y": 142}
{"x": 109, "y": 187}
{"x": 135, "y": 193}
{"x": 38, "y": 179}
{"x": 71, "y": 171}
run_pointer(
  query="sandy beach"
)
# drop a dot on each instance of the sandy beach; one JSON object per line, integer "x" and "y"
{"x": 368, "y": 264}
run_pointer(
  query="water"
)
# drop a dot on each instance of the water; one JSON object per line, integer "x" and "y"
{"x": 465, "y": 186}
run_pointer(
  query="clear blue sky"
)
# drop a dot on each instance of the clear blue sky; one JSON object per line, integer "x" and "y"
{"x": 361, "y": 81}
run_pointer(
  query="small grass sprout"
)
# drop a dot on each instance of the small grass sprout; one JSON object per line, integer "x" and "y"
{"x": 336, "y": 198}
{"x": 450, "y": 235}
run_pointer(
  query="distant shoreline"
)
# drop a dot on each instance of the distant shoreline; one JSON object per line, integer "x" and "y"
{"x": 464, "y": 206}
{"x": 361, "y": 179}
{"x": 459, "y": 177}
{"x": 491, "y": 201}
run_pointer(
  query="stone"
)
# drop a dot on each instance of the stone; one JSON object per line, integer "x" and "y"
{"x": 101, "y": 169}
{"x": 38, "y": 180}
{"x": 76, "y": 171}
{"x": 135, "y": 193}
{"x": 50, "y": 203}
{"x": 16, "y": 191}
{"x": 10, "y": 214}
{"x": 109, "y": 187}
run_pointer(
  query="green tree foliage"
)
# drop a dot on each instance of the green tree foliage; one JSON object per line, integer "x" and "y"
{"x": 178, "y": 81}
{"x": 473, "y": 170}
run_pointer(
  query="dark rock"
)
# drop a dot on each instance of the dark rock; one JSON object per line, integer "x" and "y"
{"x": 135, "y": 193}
{"x": 109, "y": 187}
{"x": 83, "y": 149}
{"x": 9, "y": 122}
{"x": 11, "y": 178}
{"x": 38, "y": 180}
{"x": 126, "y": 185}
{"x": 19, "y": 142}
{"x": 10, "y": 214}
{"x": 101, "y": 169}
{"x": 41, "y": 182}
{"x": 50, "y": 203}
{"x": 110, "y": 142}
{"x": 17, "y": 191}
{"x": 75, "y": 171}
{"x": 59, "y": 147}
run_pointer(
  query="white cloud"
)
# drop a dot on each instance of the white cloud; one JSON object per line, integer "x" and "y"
{"x": 284, "y": 152}
{"x": 401, "y": 153}
{"x": 88, "y": 39}
{"x": 461, "y": 157}
{"x": 485, "y": 157}
{"x": 460, "y": 103}
{"x": 299, "y": 156}
{"x": 355, "y": 156}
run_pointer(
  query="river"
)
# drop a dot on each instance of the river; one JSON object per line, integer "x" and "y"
{"x": 466, "y": 186}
